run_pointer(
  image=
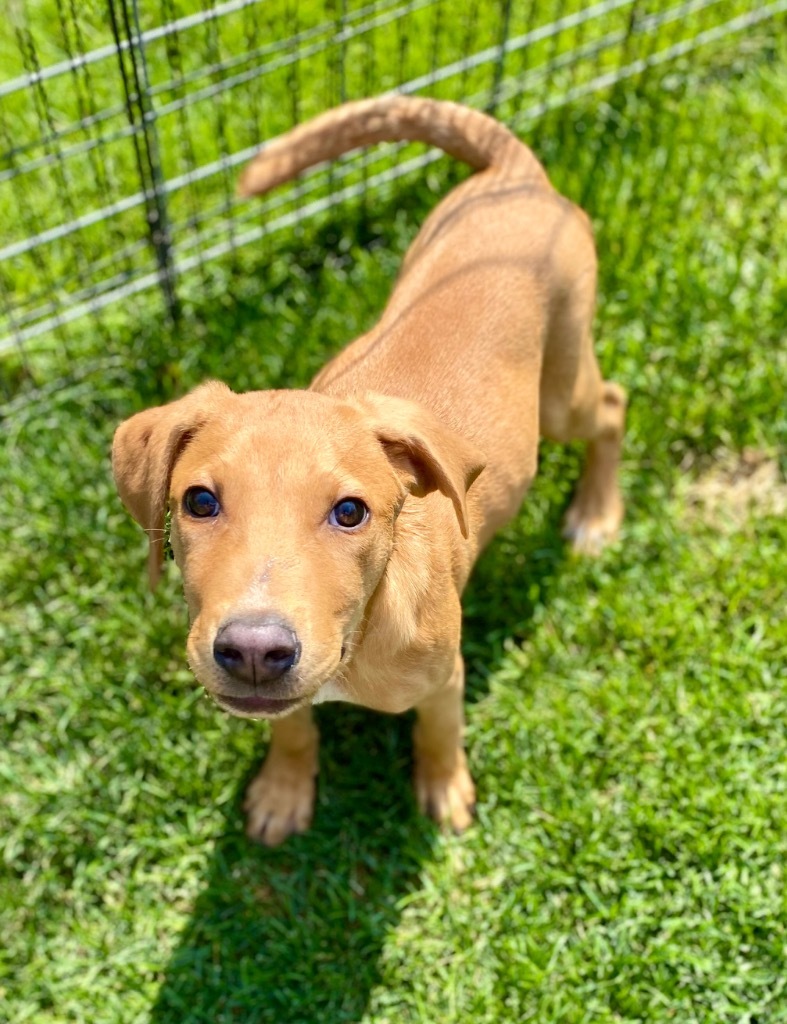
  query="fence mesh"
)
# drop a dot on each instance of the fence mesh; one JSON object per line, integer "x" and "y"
{"x": 123, "y": 125}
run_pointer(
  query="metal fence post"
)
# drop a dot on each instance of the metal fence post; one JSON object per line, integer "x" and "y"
{"x": 497, "y": 79}
{"x": 142, "y": 116}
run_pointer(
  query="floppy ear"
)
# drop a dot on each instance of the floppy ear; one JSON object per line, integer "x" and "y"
{"x": 144, "y": 452}
{"x": 427, "y": 455}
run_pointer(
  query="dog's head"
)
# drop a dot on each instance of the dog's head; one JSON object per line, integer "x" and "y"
{"x": 283, "y": 507}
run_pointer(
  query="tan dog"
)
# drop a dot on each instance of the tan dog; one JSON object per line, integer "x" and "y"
{"x": 325, "y": 536}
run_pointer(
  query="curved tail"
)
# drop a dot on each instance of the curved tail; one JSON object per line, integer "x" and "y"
{"x": 464, "y": 133}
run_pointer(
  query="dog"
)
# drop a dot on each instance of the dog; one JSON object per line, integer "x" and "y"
{"x": 325, "y": 536}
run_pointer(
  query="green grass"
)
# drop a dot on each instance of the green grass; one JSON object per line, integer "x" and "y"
{"x": 69, "y": 167}
{"x": 626, "y": 715}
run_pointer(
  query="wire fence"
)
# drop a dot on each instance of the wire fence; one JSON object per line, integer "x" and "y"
{"x": 122, "y": 127}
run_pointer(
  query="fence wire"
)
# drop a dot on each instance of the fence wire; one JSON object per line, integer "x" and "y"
{"x": 122, "y": 128}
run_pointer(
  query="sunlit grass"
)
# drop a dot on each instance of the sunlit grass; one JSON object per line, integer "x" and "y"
{"x": 626, "y": 715}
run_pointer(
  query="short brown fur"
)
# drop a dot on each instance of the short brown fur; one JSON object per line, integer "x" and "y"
{"x": 432, "y": 418}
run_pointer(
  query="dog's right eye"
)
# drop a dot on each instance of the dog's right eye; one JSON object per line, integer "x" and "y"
{"x": 349, "y": 513}
{"x": 201, "y": 503}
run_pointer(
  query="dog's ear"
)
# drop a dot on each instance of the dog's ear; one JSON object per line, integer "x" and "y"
{"x": 144, "y": 452}
{"x": 427, "y": 455}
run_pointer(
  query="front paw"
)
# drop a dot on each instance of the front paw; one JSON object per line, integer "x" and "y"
{"x": 446, "y": 794}
{"x": 280, "y": 800}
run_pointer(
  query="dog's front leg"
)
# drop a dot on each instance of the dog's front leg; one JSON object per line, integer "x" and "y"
{"x": 443, "y": 784}
{"x": 280, "y": 799}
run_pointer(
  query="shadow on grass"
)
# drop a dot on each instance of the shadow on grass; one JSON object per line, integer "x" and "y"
{"x": 297, "y": 934}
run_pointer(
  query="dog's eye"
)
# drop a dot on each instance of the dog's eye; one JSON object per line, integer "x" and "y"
{"x": 348, "y": 513}
{"x": 201, "y": 503}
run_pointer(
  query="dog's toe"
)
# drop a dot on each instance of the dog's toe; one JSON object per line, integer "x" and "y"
{"x": 278, "y": 804}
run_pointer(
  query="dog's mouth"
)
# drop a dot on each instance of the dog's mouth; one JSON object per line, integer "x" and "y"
{"x": 255, "y": 706}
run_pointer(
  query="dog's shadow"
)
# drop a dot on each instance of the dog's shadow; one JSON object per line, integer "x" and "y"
{"x": 296, "y": 934}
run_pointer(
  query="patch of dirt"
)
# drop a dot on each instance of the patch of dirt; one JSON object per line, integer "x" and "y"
{"x": 738, "y": 487}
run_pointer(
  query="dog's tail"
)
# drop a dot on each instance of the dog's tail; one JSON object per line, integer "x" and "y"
{"x": 464, "y": 133}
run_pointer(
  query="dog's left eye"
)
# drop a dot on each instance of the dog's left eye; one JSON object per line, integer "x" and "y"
{"x": 348, "y": 513}
{"x": 201, "y": 503}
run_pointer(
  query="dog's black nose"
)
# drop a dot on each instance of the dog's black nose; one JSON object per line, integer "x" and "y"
{"x": 256, "y": 650}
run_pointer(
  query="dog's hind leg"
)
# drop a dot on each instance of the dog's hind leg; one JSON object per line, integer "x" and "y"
{"x": 577, "y": 404}
{"x": 595, "y": 514}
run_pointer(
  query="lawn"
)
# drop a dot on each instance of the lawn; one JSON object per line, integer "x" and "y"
{"x": 626, "y": 715}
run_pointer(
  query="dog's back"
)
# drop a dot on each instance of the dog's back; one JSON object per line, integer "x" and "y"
{"x": 465, "y": 328}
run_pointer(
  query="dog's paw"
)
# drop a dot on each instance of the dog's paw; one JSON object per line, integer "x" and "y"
{"x": 590, "y": 526}
{"x": 447, "y": 796}
{"x": 280, "y": 801}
